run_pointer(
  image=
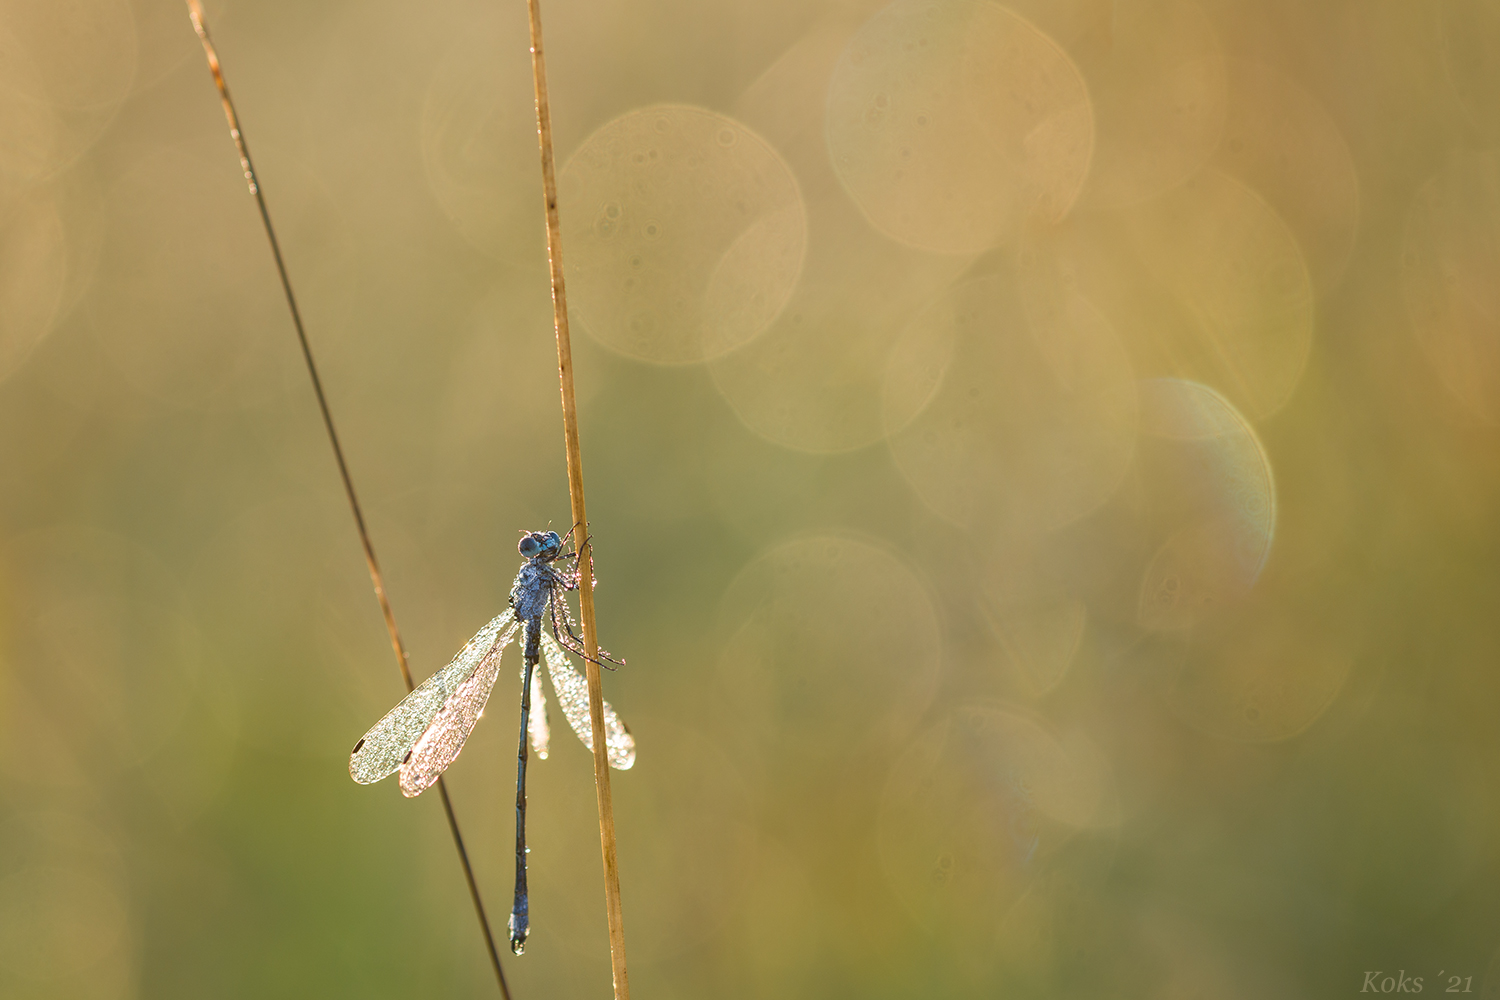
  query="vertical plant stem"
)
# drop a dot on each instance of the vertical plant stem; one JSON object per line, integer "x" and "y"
{"x": 580, "y": 516}
{"x": 195, "y": 11}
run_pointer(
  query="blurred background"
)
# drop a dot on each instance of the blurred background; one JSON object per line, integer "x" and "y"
{"x": 1043, "y": 464}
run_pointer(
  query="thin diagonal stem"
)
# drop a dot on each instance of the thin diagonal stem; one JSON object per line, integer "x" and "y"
{"x": 580, "y": 518}
{"x": 484, "y": 920}
{"x": 195, "y": 11}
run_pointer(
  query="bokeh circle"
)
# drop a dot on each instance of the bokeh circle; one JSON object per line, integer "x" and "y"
{"x": 685, "y": 233}
{"x": 949, "y": 123}
{"x": 1025, "y": 422}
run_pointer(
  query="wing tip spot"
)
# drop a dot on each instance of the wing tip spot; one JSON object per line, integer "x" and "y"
{"x": 407, "y": 758}
{"x": 358, "y": 746}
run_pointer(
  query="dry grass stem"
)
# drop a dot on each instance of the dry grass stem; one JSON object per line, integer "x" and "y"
{"x": 195, "y": 11}
{"x": 580, "y": 517}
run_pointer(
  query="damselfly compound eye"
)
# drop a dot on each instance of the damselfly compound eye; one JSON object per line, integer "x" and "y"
{"x": 530, "y": 545}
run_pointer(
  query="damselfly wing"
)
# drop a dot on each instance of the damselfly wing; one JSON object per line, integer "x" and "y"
{"x": 573, "y": 695}
{"x": 424, "y": 716}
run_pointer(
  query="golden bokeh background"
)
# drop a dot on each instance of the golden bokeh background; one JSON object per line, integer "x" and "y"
{"x": 1044, "y": 462}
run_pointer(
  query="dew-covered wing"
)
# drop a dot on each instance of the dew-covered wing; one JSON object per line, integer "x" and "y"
{"x": 440, "y": 744}
{"x": 573, "y": 694}
{"x": 381, "y": 750}
{"x": 538, "y": 726}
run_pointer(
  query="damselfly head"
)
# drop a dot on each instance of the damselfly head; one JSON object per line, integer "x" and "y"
{"x": 540, "y": 543}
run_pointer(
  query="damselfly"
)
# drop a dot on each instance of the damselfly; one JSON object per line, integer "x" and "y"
{"x": 423, "y": 735}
